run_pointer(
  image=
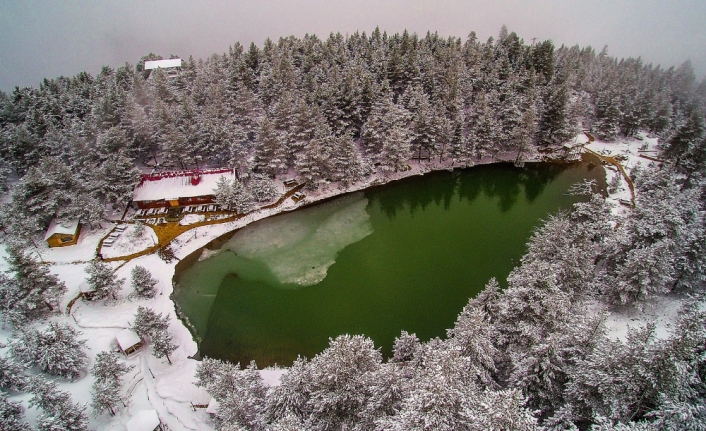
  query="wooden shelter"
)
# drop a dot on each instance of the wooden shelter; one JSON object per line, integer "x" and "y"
{"x": 145, "y": 420}
{"x": 62, "y": 234}
{"x": 572, "y": 151}
{"x": 129, "y": 342}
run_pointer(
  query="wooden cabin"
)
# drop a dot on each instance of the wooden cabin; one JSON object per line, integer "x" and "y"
{"x": 62, "y": 234}
{"x": 129, "y": 342}
{"x": 145, "y": 420}
{"x": 178, "y": 188}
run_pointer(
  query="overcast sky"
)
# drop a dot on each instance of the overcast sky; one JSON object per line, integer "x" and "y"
{"x": 50, "y": 38}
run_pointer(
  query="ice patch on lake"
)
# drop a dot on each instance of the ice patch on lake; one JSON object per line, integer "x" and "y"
{"x": 206, "y": 253}
{"x": 298, "y": 248}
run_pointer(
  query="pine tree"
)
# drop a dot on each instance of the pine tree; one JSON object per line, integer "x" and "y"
{"x": 59, "y": 413}
{"x": 115, "y": 179}
{"x": 148, "y": 322}
{"x": 107, "y": 366}
{"x": 155, "y": 327}
{"x": 31, "y": 293}
{"x": 270, "y": 150}
{"x": 143, "y": 283}
{"x": 335, "y": 403}
{"x": 241, "y": 394}
{"x": 12, "y": 375}
{"x": 263, "y": 188}
{"x": 223, "y": 193}
{"x": 56, "y": 350}
{"x": 554, "y": 124}
{"x": 396, "y": 151}
{"x": 242, "y": 198}
{"x": 102, "y": 280}
{"x": 162, "y": 345}
{"x": 405, "y": 347}
{"x": 105, "y": 396}
{"x": 11, "y": 415}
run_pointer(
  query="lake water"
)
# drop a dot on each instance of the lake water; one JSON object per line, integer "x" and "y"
{"x": 404, "y": 256}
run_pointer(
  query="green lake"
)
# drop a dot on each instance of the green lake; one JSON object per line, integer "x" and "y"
{"x": 404, "y": 256}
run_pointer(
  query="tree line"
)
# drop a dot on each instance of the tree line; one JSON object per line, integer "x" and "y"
{"x": 333, "y": 111}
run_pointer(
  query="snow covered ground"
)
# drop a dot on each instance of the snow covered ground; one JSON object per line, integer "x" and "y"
{"x": 660, "y": 310}
{"x": 130, "y": 242}
{"x": 170, "y": 389}
{"x": 632, "y": 151}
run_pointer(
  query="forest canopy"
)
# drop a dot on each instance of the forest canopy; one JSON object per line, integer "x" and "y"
{"x": 335, "y": 110}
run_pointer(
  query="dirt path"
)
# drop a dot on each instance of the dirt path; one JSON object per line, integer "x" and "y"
{"x": 614, "y": 162}
{"x": 167, "y": 233}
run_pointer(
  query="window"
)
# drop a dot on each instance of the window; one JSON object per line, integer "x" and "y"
{"x": 65, "y": 239}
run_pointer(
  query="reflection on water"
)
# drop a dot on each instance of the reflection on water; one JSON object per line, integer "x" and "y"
{"x": 404, "y": 256}
{"x": 506, "y": 184}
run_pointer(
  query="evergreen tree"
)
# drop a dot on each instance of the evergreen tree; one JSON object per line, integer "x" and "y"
{"x": 148, "y": 322}
{"x": 31, "y": 293}
{"x": 56, "y": 350}
{"x": 405, "y": 347}
{"x": 58, "y": 412}
{"x": 555, "y": 123}
{"x": 105, "y": 396}
{"x": 162, "y": 345}
{"x": 11, "y": 415}
{"x": 263, "y": 188}
{"x": 240, "y": 393}
{"x": 102, "y": 280}
{"x": 396, "y": 151}
{"x": 270, "y": 150}
{"x": 107, "y": 371}
{"x": 12, "y": 375}
{"x": 108, "y": 367}
{"x": 155, "y": 327}
{"x": 143, "y": 283}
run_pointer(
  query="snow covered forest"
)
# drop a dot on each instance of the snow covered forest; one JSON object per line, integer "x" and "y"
{"x": 534, "y": 355}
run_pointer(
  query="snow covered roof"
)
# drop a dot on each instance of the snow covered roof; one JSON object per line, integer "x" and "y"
{"x": 67, "y": 228}
{"x": 179, "y": 185}
{"x": 144, "y": 420}
{"x": 212, "y": 406}
{"x": 164, "y": 64}
{"x": 127, "y": 338}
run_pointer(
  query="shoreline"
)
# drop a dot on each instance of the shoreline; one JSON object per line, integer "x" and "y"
{"x": 194, "y": 254}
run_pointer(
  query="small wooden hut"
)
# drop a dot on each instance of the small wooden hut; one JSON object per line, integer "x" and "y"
{"x": 62, "y": 234}
{"x": 572, "y": 151}
{"x": 129, "y": 342}
{"x": 145, "y": 420}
